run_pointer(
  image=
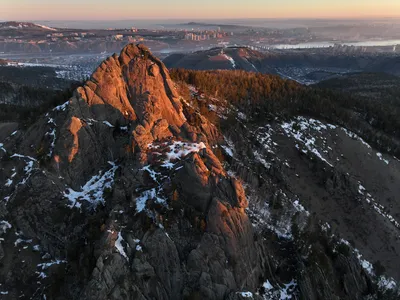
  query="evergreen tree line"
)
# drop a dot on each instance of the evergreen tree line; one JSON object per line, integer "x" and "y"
{"x": 264, "y": 97}
{"x": 37, "y": 101}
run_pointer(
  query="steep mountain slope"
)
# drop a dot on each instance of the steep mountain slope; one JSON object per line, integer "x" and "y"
{"x": 130, "y": 191}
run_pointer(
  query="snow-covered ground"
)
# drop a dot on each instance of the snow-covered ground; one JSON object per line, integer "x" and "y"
{"x": 303, "y": 130}
{"x": 170, "y": 152}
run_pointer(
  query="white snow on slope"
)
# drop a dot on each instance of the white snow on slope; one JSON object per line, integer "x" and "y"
{"x": 379, "y": 208}
{"x": 165, "y": 155}
{"x": 229, "y": 148}
{"x": 51, "y": 133}
{"x": 23, "y": 156}
{"x": 386, "y": 283}
{"x": 300, "y": 207}
{"x": 22, "y": 241}
{"x": 304, "y": 129}
{"x": 264, "y": 136}
{"x": 383, "y": 282}
{"x": 45, "y": 27}
{"x": 29, "y": 162}
{"x": 232, "y": 61}
{"x": 61, "y": 107}
{"x": 4, "y": 226}
{"x": 299, "y": 129}
{"x": 261, "y": 216}
{"x": 286, "y": 292}
{"x": 380, "y": 156}
{"x": 108, "y": 124}
{"x": 93, "y": 190}
{"x": 176, "y": 150}
{"x": 181, "y": 149}
{"x": 355, "y": 137}
{"x": 246, "y": 294}
{"x": 153, "y": 174}
{"x": 119, "y": 247}
{"x": 262, "y": 160}
{"x": 45, "y": 266}
{"x": 148, "y": 195}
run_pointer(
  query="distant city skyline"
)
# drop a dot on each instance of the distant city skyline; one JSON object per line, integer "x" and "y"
{"x": 205, "y": 9}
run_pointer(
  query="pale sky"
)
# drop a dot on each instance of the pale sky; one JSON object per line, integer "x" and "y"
{"x": 185, "y": 9}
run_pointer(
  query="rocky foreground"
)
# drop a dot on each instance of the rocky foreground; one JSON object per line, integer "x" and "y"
{"x": 127, "y": 191}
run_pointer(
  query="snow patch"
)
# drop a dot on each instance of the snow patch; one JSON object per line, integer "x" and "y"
{"x": 119, "y": 247}
{"x": 264, "y": 136}
{"x": 52, "y": 134}
{"x": 386, "y": 283}
{"x": 380, "y": 156}
{"x": 300, "y": 207}
{"x": 148, "y": 195}
{"x": 379, "y": 208}
{"x": 4, "y": 226}
{"x": 45, "y": 266}
{"x": 176, "y": 150}
{"x": 285, "y": 292}
{"x": 267, "y": 285}
{"x": 61, "y": 107}
{"x": 232, "y": 61}
{"x": 299, "y": 130}
{"x": 153, "y": 174}
{"x": 246, "y": 294}
{"x": 29, "y": 162}
{"x": 242, "y": 116}
{"x": 260, "y": 158}
{"x": 108, "y": 124}
{"x": 93, "y": 190}
{"x": 229, "y": 148}
{"x": 21, "y": 241}
{"x": 355, "y": 137}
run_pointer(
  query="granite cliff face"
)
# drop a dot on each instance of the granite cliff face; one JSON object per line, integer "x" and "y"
{"x": 123, "y": 192}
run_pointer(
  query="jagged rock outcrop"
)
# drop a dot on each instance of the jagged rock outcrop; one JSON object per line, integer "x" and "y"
{"x": 124, "y": 197}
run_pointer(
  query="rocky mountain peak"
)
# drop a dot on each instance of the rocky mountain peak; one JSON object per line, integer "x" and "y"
{"x": 131, "y": 92}
{"x": 138, "y": 85}
{"x": 119, "y": 164}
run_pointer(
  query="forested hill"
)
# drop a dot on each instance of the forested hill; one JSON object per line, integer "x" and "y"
{"x": 267, "y": 96}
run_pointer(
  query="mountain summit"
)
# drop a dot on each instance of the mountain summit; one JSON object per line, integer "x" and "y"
{"x": 116, "y": 186}
{"x": 139, "y": 187}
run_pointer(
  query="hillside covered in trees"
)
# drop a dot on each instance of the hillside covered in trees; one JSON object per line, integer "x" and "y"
{"x": 264, "y": 97}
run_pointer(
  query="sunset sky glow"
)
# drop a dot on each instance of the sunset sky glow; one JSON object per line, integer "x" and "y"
{"x": 182, "y": 9}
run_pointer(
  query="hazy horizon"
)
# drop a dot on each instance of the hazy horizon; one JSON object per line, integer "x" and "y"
{"x": 92, "y": 10}
{"x": 171, "y": 22}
